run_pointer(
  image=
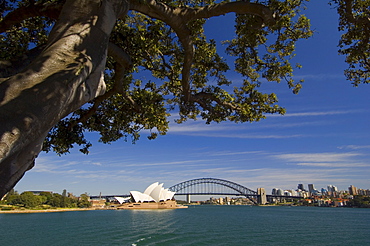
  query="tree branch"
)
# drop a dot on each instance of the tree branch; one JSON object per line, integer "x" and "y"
{"x": 173, "y": 17}
{"x": 119, "y": 56}
{"x": 198, "y": 97}
{"x": 123, "y": 64}
{"x": 51, "y": 10}
{"x": 164, "y": 12}
{"x": 239, "y": 7}
{"x": 178, "y": 18}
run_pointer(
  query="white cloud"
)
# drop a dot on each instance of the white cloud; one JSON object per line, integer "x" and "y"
{"x": 195, "y": 127}
{"x": 323, "y": 113}
{"x": 317, "y": 157}
{"x": 187, "y": 162}
{"x": 246, "y": 135}
{"x": 333, "y": 164}
{"x": 96, "y": 163}
{"x": 230, "y": 153}
{"x": 354, "y": 147}
{"x": 321, "y": 76}
{"x": 233, "y": 130}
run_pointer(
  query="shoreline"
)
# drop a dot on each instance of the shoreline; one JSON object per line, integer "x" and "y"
{"x": 31, "y": 211}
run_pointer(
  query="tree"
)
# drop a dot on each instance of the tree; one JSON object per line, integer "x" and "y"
{"x": 29, "y": 200}
{"x": 12, "y": 197}
{"x": 12, "y": 192}
{"x": 359, "y": 201}
{"x": 83, "y": 201}
{"x": 354, "y": 22}
{"x": 68, "y": 67}
{"x": 56, "y": 200}
{"x": 47, "y": 195}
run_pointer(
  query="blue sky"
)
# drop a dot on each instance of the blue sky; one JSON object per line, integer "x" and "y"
{"x": 323, "y": 139}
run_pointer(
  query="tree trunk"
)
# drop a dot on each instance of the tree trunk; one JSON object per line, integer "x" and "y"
{"x": 66, "y": 75}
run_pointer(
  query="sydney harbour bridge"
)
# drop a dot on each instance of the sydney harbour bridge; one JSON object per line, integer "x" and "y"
{"x": 212, "y": 186}
{"x": 215, "y": 186}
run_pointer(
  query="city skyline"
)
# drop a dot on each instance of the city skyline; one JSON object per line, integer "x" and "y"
{"x": 323, "y": 138}
{"x": 328, "y": 188}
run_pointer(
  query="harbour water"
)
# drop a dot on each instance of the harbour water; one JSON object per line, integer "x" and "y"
{"x": 197, "y": 225}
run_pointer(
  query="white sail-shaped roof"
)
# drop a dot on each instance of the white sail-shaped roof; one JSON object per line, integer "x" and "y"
{"x": 166, "y": 195}
{"x": 150, "y": 188}
{"x": 122, "y": 199}
{"x": 170, "y": 195}
{"x": 141, "y": 197}
{"x": 154, "y": 192}
{"x": 162, "y": 195}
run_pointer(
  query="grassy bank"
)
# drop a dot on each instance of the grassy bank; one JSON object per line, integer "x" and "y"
{"x": 51, "y": 210}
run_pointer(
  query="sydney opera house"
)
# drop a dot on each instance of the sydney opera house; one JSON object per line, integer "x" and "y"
{"x": 154, "y": 197}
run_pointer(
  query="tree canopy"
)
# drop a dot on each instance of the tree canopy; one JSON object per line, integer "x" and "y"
{"x": 28, "y": 200}
{"x": 68, "y": 67}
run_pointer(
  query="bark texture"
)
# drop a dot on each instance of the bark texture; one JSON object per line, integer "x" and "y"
{"x": 66, "y": 75}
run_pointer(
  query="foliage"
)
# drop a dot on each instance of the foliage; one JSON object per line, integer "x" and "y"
{"x": 354, "y": 24}
{"x": 26, "y": 199}
{"x": 29, "y": 200}
{"x": 359, "y": 201}
{"x": 184, "y": 72}
{"x": 83, "y": 201}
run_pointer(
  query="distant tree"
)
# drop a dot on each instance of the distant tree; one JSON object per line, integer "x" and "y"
{"x": 68, "y": 66}
{"x": 359, "y": 201}
{"x": 83, "y": 201}
{"x": 55, "y": 200}
{"x": 58, "y": 200}
{"x": 12, "y": 192}
{"x": 29, "y": 200}
{"x": 47, "y": 195}
{"x": 13, "y": 199}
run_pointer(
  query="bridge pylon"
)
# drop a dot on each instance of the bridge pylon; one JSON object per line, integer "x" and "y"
{"x": 261, "y": 196}
{"x": 188, "y": 200}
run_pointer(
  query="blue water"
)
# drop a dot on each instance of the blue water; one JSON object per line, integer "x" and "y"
{"x": 197, "y": 225}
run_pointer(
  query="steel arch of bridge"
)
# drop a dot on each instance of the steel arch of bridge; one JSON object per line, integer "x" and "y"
{"x": 184, "y": 188}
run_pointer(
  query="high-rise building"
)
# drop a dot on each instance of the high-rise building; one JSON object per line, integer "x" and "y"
{"x": 352, "y": 190}
{"x": 324, "y": 191}
{"x": 300, "y": 187}
{"x": 274, "y": 191}
{"x": 280, "y": 192}
{"x": 332, "y": 190}
{"x": 335, "y": 189}
{"x": 311, "y": 188}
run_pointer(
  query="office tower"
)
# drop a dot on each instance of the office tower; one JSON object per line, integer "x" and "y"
{"x": 300, "y": 187}
{"x": 311, "y": 188}
{"x": 352, "y": 190}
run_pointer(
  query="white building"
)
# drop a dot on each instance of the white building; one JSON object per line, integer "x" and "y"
{"x": 154, "y": 193}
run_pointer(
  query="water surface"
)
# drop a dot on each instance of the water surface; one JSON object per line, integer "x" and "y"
{"x": 197, "y": 225}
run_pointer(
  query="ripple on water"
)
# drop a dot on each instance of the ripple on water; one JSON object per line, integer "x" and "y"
{"x": 197, "y": 225}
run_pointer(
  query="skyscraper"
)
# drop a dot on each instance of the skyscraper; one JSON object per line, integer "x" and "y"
{"x": 352, "y": 190}
{"x": 311, "y": 188}
{"x": 300, "y": 187}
